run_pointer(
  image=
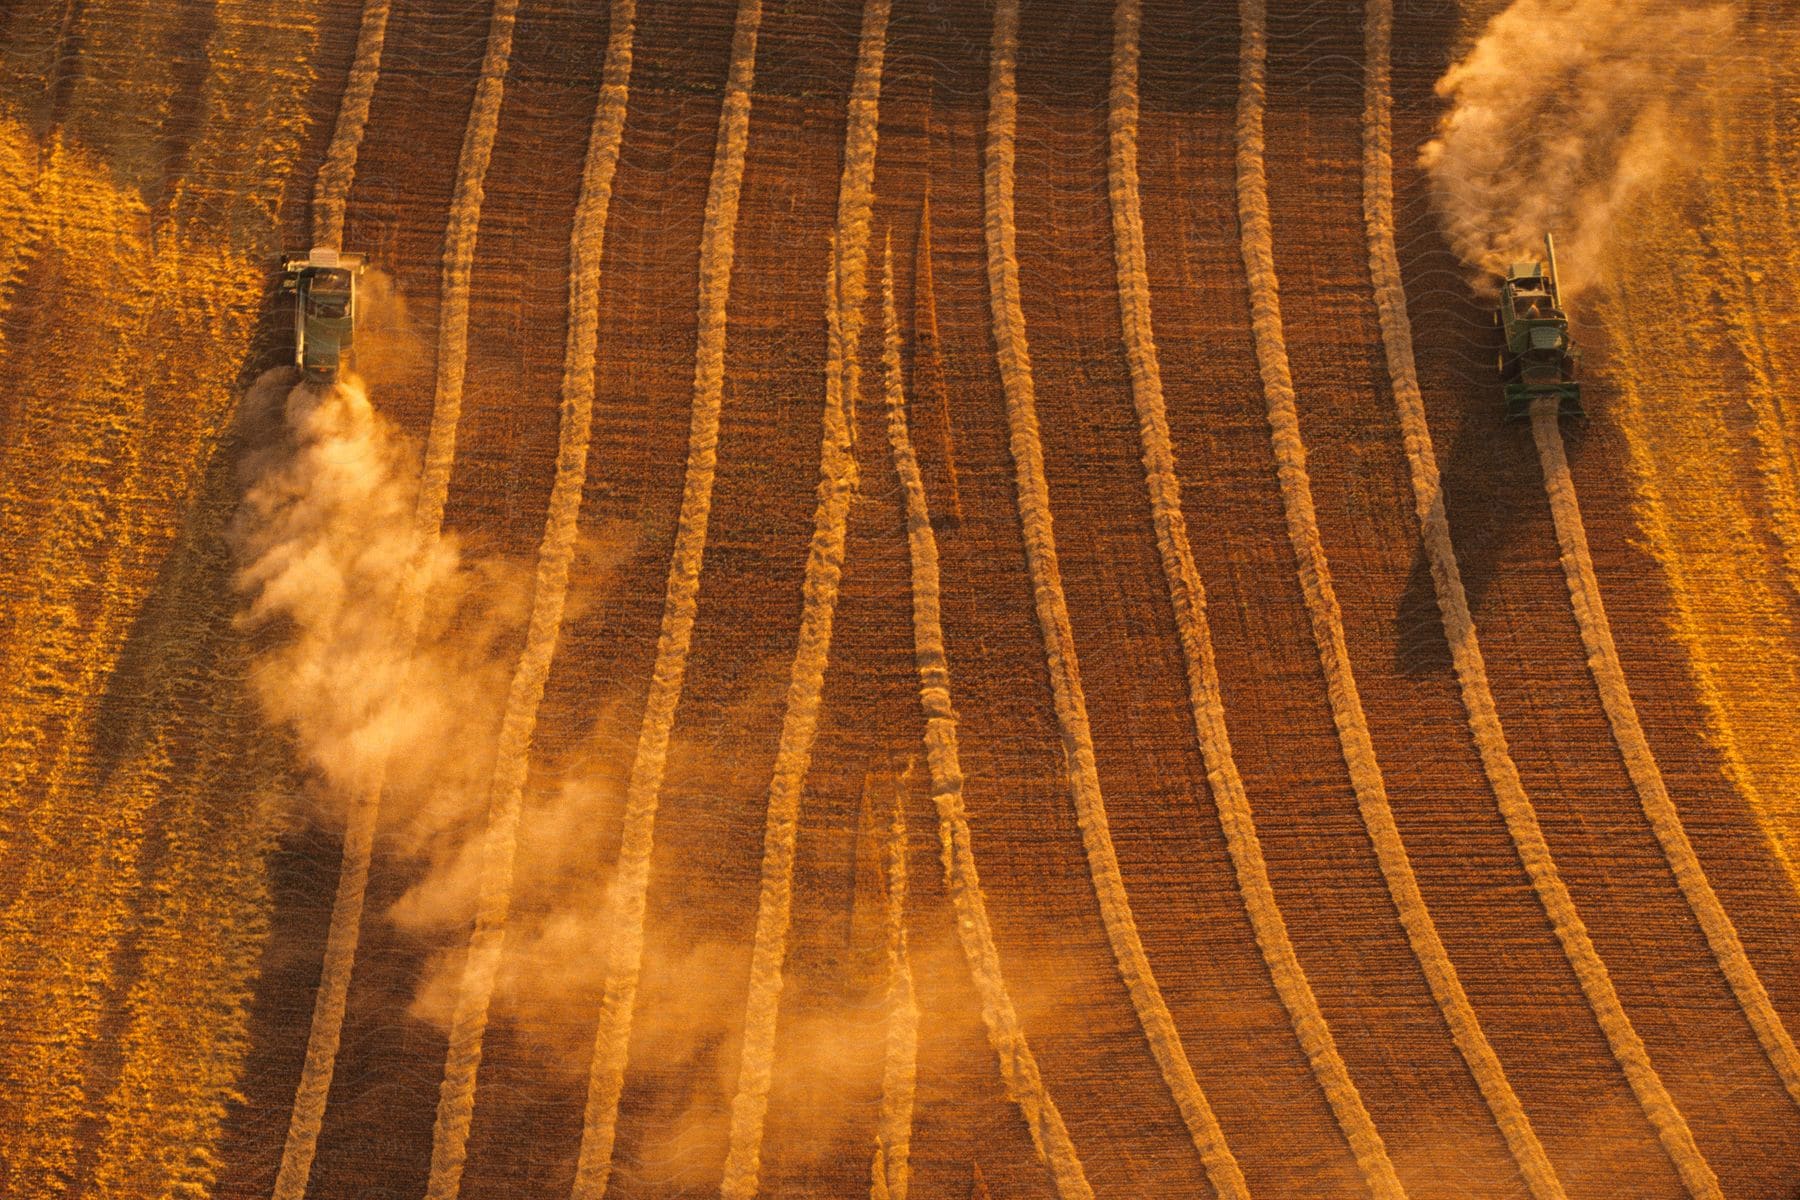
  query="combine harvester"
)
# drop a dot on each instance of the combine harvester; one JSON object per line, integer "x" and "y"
{"x": 1538, "y": 358}
{"x": 323, "y": 282}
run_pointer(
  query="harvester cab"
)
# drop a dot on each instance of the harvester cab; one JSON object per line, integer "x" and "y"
{"x": 324, "y": 284}
{"x": 1538, "y": 359}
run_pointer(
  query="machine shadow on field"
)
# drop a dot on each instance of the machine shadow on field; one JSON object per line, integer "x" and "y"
{"x": 1493, "y": 487}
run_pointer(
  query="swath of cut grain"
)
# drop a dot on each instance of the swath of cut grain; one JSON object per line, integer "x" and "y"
{"x": 838, "y": 481}
{"x": 1053, "y": 619}
{"x": 1490, "y": 741}
{"x": 612, "y": 1038}
{"x": 1018, "y": 1066}
{"x": 331, "y": 190}
{"x": 1534, "y": 1165}
{"x": 890, "y": 1174}
{"x": 549, "y": 592}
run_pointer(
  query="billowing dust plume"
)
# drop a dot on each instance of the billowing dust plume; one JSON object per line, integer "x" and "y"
{"x": 324, "y": 539}
{"x": 1561, "y": 113}
{"x": 333, "y": 582}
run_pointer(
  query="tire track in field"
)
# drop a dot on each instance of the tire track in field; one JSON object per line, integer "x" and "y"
{"x": 456, "y": 1104}
{"x": 1018, "y": 1066}
{"x": 838, "y": 482}
{"x": 331, "y": 191}
{"x": 890, "y": 1175}
{"x": 1014, "y": 359}
{"x": 1640, "y": 763}
{"x": 631, "y": 880}
{"x": 1471, "y": 673}
{"x": 928, "y": 366}
{"x": 1188, "y": 597}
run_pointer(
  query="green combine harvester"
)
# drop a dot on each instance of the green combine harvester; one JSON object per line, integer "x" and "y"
{"x": 323, "y": 282}
{"x": 1538, "y": 359}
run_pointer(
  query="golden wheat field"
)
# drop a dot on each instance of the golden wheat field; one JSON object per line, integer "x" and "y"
{"x": 900, "y": 596}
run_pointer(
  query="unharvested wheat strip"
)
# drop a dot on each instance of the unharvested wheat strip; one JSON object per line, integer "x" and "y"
{"x": 892, "y": 1171}
{"x": 1053, "y": 619}
{"x": 1018, "y": 1066}
{"x": 1764, "y": 391}
{"x": 1459, "y": 630}
{"x": 631, "y": 881}
{"x": 847, "y": 289}
{"x": 331, "y": 191}
{"x": 456, "y": 1101}
{"x": 1710, "y": 682}
{"x": 89, "y": 912}
{"x": 1640, "y": 763}
{"x": 1188, "y": 596}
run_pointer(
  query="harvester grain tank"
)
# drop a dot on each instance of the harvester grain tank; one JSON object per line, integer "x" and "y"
{"x": 1538, "y": 359}
{"x": 324, "y": 283}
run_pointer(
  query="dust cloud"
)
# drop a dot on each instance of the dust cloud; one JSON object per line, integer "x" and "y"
{"x": 387, "y": 663}
{"x": 1562, "y": 113}
{"x": 328, "y": 564}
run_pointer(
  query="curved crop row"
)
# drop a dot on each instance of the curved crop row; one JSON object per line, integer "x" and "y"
{"x": 631, "y": 880}
{"x": 1484, "y": 719}
{"x": 1490, "y": 1077}
{"x": 838, "y": 481}
{"x": 1018, "y": 1066}
{"x": 1053, "y": 619}
{"x": 1640, "y": 763}
{"x": 331, "y": 190}
{"x": 1187, "y": 595}
{"x": 456, "y": 1104}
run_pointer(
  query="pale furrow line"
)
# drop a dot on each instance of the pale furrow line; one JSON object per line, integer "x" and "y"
{"x": 847, "y": 289}
{"x": 1471, "y": 670}
{"x": 1640, "y": 763}
{"x": 1053, "y": 619}
{"x": 456, "y": 1101}
{"x": 891, "y": 1173}
{"x": 331, "y": 191}
{"x": 631, "y": 880}
{"x": 1018, "y": 1066}
{"x": 1187, "y": 595}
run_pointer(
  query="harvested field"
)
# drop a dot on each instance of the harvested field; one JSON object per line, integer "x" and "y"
{"x": 939, "y": 603}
